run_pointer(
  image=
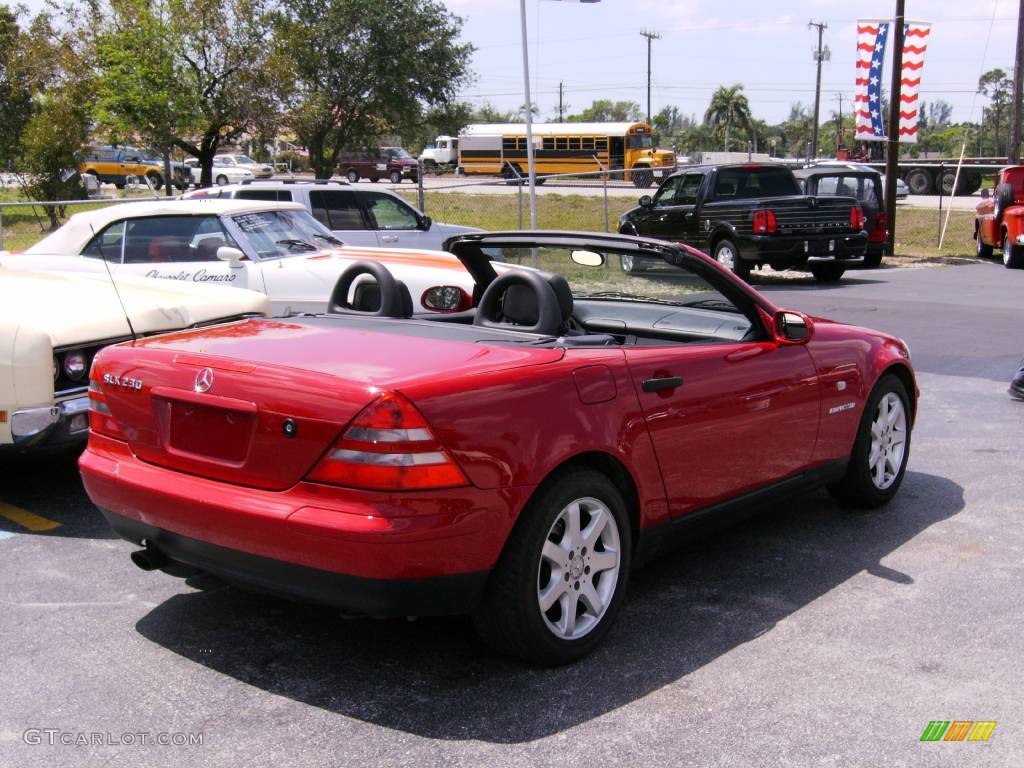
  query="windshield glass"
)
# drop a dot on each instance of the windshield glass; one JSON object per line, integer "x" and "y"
{"x": 640, "y": 142}
{"x": 396, "y": 153}
{"x": 279, "y": 234}
{"x": 244, "y": 160}
{"x": 626, "y": 294}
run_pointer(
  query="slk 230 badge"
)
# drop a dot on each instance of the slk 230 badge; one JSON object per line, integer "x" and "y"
{"x": 126, "y": 382}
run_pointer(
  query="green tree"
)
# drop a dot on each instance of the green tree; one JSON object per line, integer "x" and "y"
{"x": 608, "y": 111}
{"x": 15, "y": 92}
{"x": 796, "y": 130}
{"x": 728, "y": 106}
{"x": 52, "y": 144}
{"x": 998, "y": 88}
{"x": 360, "y": 68}
{"x": 193, "y": 74}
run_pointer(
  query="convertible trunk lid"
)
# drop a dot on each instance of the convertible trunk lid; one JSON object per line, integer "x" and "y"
{"x": 257, "y": 403}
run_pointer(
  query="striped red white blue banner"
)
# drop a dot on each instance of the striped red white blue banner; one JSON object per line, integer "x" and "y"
{"x": 872, "y": 37}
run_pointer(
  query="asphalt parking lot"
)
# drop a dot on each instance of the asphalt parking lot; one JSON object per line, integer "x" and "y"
{"x": 808, "y": 636}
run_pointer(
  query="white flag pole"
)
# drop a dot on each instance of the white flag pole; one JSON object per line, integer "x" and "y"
{"x": 529, "y": 120}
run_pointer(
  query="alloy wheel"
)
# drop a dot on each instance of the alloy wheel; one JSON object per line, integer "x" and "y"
{"x": 579, "y": 568}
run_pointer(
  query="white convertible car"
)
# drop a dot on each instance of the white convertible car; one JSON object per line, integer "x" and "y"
{"x": 51, "y": 325}
{"x": 276, "y": 248}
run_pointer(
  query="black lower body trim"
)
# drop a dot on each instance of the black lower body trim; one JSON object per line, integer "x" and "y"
{"x": 654, "y": 541}
{"x": 434, "y": 596}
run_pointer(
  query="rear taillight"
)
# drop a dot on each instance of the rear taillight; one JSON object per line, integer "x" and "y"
{"x": 100, "y": 419}
{"x": 389, "y": 447}
{"x": 764, "y": 222}
{"x": 857, "y": 217}
{"x": 880, "y": 231}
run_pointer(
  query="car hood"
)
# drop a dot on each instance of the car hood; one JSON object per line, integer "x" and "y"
{"x": 74, "y": 308}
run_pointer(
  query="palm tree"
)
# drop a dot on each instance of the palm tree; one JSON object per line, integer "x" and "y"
{"x": 728, "y": 105}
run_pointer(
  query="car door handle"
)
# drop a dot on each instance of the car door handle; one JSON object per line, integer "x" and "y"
{"x": 657, "y": 385}
{"x": 389, "y": 238}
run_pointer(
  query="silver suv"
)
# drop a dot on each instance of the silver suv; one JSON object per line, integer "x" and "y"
{"x": 357, "y": 216}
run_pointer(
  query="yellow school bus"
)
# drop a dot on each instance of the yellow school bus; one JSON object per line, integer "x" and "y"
{"x": 500, "y": 148}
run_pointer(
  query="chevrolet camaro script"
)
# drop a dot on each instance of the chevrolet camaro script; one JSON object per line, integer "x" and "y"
{"x": 514, "y": 460}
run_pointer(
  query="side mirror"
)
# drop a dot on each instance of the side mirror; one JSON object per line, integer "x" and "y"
{"x": 789, "y": 327}
{"x": 985, "y": 194}
{"x": 425, "y": 223}
{"x": 588, "y": 258}
{"x": 646, "y": 201}
{"x": 446, "y": 298}
{"x": 231, "y": 255}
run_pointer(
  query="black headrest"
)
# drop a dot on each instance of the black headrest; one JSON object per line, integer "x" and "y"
{"x": 519, "y": 305}
{"x": 564, "y": 293}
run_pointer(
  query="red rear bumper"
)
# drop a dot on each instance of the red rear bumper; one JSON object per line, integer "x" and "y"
{"x": 354, "y": 544}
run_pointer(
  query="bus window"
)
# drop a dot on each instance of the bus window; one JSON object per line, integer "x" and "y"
{"x": 601, "y": 144}
{"x": 574, "y": 143}
{"x": 588, "y": 143}
{"x": 640, "y": 142}
{"x": 561, "y": 142}
{"x": 549, "y": 142}
{"x": 508, "y": 144}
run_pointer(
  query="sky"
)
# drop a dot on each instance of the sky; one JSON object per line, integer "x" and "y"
{"x": 597, "y": 51}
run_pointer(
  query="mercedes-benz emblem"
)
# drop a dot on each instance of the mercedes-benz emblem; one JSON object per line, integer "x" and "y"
{"x": 204, "y": 380}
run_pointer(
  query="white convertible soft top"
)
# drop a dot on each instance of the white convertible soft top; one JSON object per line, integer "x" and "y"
{"x": 80, "y": 228}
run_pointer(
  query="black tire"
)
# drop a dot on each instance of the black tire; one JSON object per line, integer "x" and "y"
{"x": 429, "y": 166}
{"x": 221, "y": 180}
{"x": 920, "y": 182}
{"x": 873, "y": 260}
{"x": 827, "y": 273}
{"x": 642, "y": 178}
{"x": 352, "y": 175}
{"x": 1004, "y": 199}
{"x": 728, "y": 255}
{"x": 632, "y": 265}
{"x": 857, "y": 488}
{"x": 1013, "y": 255}
{"x": 374, "y": 179}
{"x": 947, "y": 183}
{"x": 395, "y": 177}
{"x": 510, "y": 618}
{"x": 156, "y": 180}
{"x": 983, "y": 251}
{"x": 512, "y": 174}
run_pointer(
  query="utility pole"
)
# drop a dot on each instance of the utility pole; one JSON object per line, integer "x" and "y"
{"x": 892, "y": 154}
{"x": 839, "y": 121}
{"x": 822, "y": 54}
{"x": 1013, "y": 156}
{"x": 650, "y": 36}
{"x": 561, "y": 108}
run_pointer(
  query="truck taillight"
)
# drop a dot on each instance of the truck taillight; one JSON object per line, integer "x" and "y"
{"x": 389, "y": 447}
{"x": 764, "y": 222}
{"x": 100, "y": 418}
{"x": 880, "y": 232}
{"x": 857, "y": 217}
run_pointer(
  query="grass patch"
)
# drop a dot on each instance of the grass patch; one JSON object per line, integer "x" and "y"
{"x": 24, "y": 225}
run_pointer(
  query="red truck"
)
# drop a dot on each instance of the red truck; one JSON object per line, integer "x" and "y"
{"x": 999, "y": 222}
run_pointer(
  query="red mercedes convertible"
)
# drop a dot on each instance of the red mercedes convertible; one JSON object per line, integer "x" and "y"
{"x": 514, "y": 460}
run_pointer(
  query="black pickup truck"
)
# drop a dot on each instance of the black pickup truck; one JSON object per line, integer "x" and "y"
{"x": 747, "y": 215}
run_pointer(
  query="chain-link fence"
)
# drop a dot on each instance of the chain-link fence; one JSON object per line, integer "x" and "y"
{"x": 588, "y": 201}
{"x": 22, "y": 223}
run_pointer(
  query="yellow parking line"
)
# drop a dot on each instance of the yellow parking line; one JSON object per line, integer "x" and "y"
{"x": 27, "y": 519}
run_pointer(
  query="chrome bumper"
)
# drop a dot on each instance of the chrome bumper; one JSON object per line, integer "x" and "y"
{"x": 63, "y": 422}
